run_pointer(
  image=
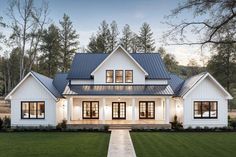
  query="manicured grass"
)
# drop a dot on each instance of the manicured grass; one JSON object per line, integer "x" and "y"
{"x": 54, "y": 144}
{"x": 154, "y": 144}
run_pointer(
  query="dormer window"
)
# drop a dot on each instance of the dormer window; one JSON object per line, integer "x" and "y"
{"x": 119, "y": 76}
{"x": 109, "y": 76}
{"x": 128, "y": 76}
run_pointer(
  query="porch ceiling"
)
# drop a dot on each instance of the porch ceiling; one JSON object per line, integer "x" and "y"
{"x": 126, "y": 90}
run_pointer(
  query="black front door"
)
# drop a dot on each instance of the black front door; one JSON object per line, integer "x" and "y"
{"x": 118, "y": 110}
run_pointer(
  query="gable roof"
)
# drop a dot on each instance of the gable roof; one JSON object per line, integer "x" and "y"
{"x": 194, "y": 81}
{"x": 114, "y": 51}
{"x": 84, "y": 64}
{"x": 44, "y": 81}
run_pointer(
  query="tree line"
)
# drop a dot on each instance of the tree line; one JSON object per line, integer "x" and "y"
{"x": 107, "y": 38}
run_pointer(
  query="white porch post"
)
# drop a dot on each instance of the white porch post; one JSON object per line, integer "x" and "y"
{"x": 103, "y": 109}
{"x": 69, "y": 106}
{"x": 167, "y": 110}
{"x": 133, "y": 109}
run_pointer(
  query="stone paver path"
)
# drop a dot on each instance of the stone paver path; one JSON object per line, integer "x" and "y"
{"x": 120, "y": 144}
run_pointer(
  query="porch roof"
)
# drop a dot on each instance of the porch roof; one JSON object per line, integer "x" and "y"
{"x": 146, "y": 90}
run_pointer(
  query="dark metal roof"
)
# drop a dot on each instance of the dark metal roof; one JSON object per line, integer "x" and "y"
{"x": 176, "y": 83}
{"x": 145, "y": 90}
{"x": 48, "y": 83}
{"x": 60, "y": 81}
{"x": 84, "y": 63}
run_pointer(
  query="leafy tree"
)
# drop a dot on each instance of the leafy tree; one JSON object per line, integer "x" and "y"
{"x": 169, "y": 60}
{"x": 222, "y": 65}
{"x": 146, "y": 40}
{"x": 126, "y": 38}
{"x": 49, "y": 60}
{"x": 26, "y": 20}
{"x": 68, "y": 42}
{"x": 193, "y": 67}
{"x": 113, "y": 38}
{"x": 218, "y": 20}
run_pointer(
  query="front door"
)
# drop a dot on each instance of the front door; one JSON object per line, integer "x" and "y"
{"x": 118, "y": 110}
{"x": 90, "y": 109}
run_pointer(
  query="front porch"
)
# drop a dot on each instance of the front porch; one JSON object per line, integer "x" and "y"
{"x": 128, "y": 111}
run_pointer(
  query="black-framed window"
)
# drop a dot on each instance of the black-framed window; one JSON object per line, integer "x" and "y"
{"x": 205, "y": 109}
{"x": 32, "y": 110}
{"x": 109, "y": 76}
{"x": 146, "y": 110}
{"x": 90, "y": 109}
{"x": 128, "y": 76}
{"x": 119, "y": 76}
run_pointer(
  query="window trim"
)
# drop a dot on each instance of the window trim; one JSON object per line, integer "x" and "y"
{"x": 122, "y": 76}
{"x": 37, "y": 102}
{"x": 209, "y": 110}
{"x": 90, "y": 102}
{"x": 146, "y": 102}
{"x": 112, "y": 76}
{"x": 126, "y": 77}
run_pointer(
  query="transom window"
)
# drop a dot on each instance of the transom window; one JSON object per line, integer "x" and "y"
{"x": 146, "y": 110}
{"x": 109, "y": 76}
{"x": 32, "y": 109}
{"x": 128, "y": 76}
{"x": 119, "y": 76}
{"x": 90, "y": 109}
{"x": 205, "y": 109}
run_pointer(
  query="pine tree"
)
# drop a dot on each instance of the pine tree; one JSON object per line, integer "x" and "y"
{"x": 49, "y": 60}
{"x": 146, "y": 38}
{"x": 68, "y": 42}
{"x": 103, "y": 37}
{"x": 113, "y": 36}
{"x": 134, "y": 43}
{"x": 126, "y": 38}
{"x": 92, "y": 46}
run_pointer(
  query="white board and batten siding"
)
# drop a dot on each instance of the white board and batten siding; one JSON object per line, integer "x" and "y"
{"x": 31, "y": 90}
{"x": 119, "y": 61}
{"x": 205, "y": 91}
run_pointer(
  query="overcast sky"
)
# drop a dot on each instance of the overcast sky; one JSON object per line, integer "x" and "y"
{"x": 87, "y": 15}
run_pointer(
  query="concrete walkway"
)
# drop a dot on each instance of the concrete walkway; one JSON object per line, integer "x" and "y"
{"x": 120, "y": 144}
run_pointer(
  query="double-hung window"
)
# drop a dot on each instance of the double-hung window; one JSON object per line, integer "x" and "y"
{"x": 119, "y": 76}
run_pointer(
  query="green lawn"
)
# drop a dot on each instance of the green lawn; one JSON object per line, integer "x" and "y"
{"x": 54, "y": 144}
{"x": 156, "y": 144}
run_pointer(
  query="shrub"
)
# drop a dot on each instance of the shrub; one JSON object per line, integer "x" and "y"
{"x": 1, "y": 123}
{"x": 62, "y": 125}
{"x": 232, "y": 123}
{"x": 176, "y": 125}
{"x": 6, "y": 122}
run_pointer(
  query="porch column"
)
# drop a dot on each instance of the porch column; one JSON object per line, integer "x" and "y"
{"x": 103, "y": 109}
{"x": 69, "y": 106}
{"x": 167, "y": 110}
{"x": 133, "y": 109}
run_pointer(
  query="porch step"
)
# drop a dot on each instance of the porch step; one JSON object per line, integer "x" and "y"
{"x": 119, "y": 127}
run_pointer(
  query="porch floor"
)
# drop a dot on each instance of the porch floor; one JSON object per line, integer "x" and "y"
{"x": 94, "y": 121}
